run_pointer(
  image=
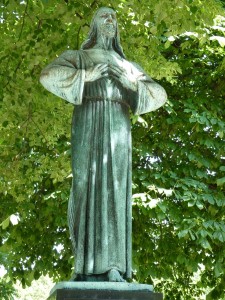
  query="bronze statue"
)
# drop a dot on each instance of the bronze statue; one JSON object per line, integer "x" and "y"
{"x": 103, "y": 86}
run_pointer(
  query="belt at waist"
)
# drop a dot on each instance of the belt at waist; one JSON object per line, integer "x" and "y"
{"x": 95, "y": 99}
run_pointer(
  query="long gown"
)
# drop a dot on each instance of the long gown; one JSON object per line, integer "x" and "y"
{"x": 99, "y": 210}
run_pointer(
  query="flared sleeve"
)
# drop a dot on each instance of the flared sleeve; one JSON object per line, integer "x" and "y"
{"x": 64, "y": 77}
{"x": 149, "y": 96}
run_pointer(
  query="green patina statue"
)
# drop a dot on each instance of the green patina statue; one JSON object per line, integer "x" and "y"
{"x": 103, "y": 86}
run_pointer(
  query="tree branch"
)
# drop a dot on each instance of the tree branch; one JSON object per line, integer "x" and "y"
{"x": 23, "y": 22}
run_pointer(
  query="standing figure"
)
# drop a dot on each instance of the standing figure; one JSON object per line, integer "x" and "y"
{"x": 103, "y": 86}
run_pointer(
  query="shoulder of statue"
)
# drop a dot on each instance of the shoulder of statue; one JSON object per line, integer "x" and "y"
{"x": 70, "y": 53}
{"x": 73, "y": 54}
{"x": 140, "y": 69}
{"x": 73, "y": 57}
{"x": 137, "y": 66}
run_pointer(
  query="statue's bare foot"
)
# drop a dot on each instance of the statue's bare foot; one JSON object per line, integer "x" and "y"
{"x": 114, "y": 276}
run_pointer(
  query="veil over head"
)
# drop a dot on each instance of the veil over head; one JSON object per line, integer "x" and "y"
{"x": 92, "y": 35}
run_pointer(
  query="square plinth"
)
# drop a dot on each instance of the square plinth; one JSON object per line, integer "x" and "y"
{"x": 103, "y": 291}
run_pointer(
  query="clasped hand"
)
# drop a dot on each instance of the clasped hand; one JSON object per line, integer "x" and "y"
{"x": 104, "y": 70}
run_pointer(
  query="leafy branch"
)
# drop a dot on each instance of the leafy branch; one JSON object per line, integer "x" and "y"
{"x": 23, "y": 20}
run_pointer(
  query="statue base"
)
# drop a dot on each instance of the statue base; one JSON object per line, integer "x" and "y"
{"x": 103, "y": 290}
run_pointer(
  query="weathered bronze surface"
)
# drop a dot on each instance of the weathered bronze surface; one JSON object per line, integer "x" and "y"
{"x": 103, "y": 291}
{"x": 103, "y": 86}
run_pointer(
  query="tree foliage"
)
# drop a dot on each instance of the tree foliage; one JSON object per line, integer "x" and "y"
{"x": 39, "y": 289}
{"x": 178, "y": 151}
{"x": 7, "y": 290}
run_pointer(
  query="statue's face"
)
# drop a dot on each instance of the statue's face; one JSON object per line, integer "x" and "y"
{"x": 106, "y": 22}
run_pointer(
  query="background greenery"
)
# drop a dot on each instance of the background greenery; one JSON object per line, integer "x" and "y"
{"x": 178, "y": 151}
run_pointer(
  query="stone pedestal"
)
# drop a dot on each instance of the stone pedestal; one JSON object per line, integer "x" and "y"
{"x": 103, "y": 290}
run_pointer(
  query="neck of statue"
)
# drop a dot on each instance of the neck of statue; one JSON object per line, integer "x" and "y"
{"x": 104, "y": 42}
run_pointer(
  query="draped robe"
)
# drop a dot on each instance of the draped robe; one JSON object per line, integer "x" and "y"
{"x": 99, "y": 210}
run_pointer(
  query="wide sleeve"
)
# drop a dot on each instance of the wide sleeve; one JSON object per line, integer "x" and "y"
{"x": 149, "y": 96}
{"x": 64, "y": 78}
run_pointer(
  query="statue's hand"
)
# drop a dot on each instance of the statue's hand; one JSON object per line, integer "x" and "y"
{"x": 127, "y": 80}
{"x": 96, "y": 72}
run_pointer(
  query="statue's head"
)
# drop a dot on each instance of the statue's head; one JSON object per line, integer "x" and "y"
{"x": 104, "y": 22}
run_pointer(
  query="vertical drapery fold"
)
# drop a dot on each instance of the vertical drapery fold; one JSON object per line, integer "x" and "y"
{"x": 106, "y": 200}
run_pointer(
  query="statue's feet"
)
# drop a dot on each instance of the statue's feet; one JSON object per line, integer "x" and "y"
{"x": 114, "y": 276}
{"x": 73, "y": 277}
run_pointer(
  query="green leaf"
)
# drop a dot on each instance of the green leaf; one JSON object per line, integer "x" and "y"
{"x": 5, "y": 223}
{"x": 220, "y": 181}
{"x": 205, "y": 244}
{"x": 183, "y": 233}
{"x": 218, "y": 269}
